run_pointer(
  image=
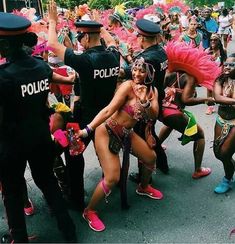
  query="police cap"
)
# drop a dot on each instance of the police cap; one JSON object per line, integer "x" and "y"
{"x": 11, "y": 25}
{"x": 147, "y": 28}
{"x": 88, "y": 26}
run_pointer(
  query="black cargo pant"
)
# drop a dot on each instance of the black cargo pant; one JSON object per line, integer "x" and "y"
{"x": 12, "y": 169}
{"x": 75, "y": 166}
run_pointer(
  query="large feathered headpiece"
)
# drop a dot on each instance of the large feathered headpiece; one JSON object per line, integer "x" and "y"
{"x": 121, "y": 15}
{"x": 194, "y": 61}
{"x": 176, "y": 6}
{"x": 156, "y": 9}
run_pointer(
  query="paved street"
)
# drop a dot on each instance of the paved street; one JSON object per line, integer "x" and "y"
{"x": 190, "y": 211}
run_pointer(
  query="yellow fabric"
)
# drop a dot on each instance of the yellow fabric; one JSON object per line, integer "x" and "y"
{"x": 191, "y": 131}
{"x": 191, "y": 128}
{"x": 61, "y": 107}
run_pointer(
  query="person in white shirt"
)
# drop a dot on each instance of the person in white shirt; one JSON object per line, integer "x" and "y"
{"x": 225, "y": 23}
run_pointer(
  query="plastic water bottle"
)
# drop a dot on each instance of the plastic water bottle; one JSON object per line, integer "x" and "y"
{"x": 76, "y": 145}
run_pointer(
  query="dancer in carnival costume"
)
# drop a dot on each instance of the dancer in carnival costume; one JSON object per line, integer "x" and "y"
{"x": 191, "y": 35}
{"x": 135, "y": 100}
{"x": 191, "y": 67}
{"x": 174, "y": 28}
{"x": 61, "y": 92}
{"x": 98, "y": 69}
{"x": 120, "y": 18}
{"x": 175, "y": 9}
{"x": 224, "y": 93}
{"x": 148, "y": 33}
{"x": 25, "y": 134}
{"x": 219, "y": 56}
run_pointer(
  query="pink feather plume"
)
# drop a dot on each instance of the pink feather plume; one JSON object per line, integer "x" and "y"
{"x": 149, "y": 10}
{"x": 194, "y": 61}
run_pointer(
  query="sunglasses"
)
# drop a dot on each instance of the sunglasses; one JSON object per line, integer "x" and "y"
{"x": 214, "y": 40}
{"x": 230, "y": 64}
{"x": 80, "y": 35}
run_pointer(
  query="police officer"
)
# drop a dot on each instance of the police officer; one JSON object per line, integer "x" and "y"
{"x": 24, "y": 129}
{"x": 148, "y": 36}
{"x": 148, "y": 33}
{"x": 98, "y": 69}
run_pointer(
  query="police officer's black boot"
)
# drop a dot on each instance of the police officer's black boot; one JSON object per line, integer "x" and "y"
{"x": 134, "y": 177}
{"x": 161, "y": 162}
{"x": 19, "y": 235}
{"x": 75, "y": 170}
{"x": 66, "y": 227}
{"x": 6, "y": 238}
{"x": 60, "y": 172}
{"x": 15, "y": 236}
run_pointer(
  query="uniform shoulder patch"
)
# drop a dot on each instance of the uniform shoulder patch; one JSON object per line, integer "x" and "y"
{"x": 77, "y": 52}
{"x": 112, "y": 49}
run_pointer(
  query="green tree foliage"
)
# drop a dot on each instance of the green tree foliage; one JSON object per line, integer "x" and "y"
{"x": 106, "y": 4}
{"x": 65, "y": 3}
{"x": 99, "y": 4}
{"x": 210, "y": 3}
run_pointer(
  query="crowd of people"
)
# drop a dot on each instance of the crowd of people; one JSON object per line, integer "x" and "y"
{"x": 114, "y": 74}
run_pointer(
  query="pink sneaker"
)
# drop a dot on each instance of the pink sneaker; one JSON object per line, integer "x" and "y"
{"x": 93, "y": 220}
{"x": 201, "y": 173}
{"x": 150, "y": 192}
{"x": 29, "y": 210}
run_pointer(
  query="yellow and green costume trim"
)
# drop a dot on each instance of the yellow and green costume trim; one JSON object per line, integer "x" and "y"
{"x": 191, "y": 128}
{"x": 224, "y": 122}
{"x": 226, "y": 126}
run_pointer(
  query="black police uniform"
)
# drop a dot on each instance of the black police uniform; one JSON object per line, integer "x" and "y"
{"x": 156, "y": 56}
{"x": 25, "y": 134}
{"x": 98, "y": 70}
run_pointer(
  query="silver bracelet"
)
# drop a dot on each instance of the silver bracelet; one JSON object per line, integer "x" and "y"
{"x": 87, "y": 131}
{"x": 84, "y": 133}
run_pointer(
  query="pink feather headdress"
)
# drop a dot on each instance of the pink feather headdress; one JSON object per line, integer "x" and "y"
{"x": 105, "y": 16}
{"x": 122, "y": 33}
{"x": 153, "y": 9}
{"x": 176, "y": 6}
{"x": 38, "y": 27}
{"x": 194, "y": 61}
{"x": 62, "y": 22}
{"x": 128, "y": 37}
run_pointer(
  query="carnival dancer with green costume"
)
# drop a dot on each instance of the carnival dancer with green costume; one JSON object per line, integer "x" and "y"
{"x": 187, "y": 68}
{"x": 225, "y": 123}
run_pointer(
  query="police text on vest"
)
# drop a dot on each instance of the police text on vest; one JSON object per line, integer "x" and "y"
{"x": 105, "y": 73}
{"x": 34, "y": 87}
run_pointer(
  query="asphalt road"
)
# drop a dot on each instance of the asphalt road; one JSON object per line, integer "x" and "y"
{"x": 190, "y": 211}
